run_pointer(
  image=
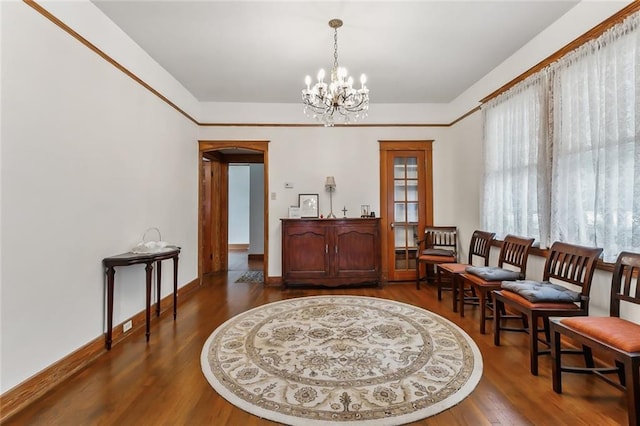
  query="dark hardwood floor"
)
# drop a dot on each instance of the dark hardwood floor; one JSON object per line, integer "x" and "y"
{"x": 161, "y": 383}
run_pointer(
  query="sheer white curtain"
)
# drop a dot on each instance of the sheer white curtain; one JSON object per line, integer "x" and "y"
{"x": 514, "y": 183}
{"x": 595, "y": 184}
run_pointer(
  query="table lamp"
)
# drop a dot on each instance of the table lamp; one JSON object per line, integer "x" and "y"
{"x": 330, "y": 185}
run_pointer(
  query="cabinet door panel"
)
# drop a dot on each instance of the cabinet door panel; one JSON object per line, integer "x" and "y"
{"x": 306, "y": 253}
{"x": 357, "y": 251}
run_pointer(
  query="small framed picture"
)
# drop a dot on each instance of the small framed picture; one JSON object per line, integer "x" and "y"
{"x": 308, "y": 204}
{"x": 294, "y": 212}
{"x": 364, "y": 210}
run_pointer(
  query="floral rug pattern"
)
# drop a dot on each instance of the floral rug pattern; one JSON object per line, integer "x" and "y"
{"x": 341, "y": 359}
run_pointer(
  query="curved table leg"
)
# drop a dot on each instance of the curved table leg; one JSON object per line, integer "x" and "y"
{"x": 159, "y": 280}
{"x": 111, "y": 272}
{"x": 149, "y": 269}
{"x": 175, "y": 287}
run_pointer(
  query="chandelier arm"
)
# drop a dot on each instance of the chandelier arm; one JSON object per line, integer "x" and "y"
{"x": 317, "y": 108}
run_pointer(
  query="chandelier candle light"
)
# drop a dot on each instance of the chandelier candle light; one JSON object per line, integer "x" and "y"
{"x": 330, "y": 185}
{"x": 323, "y": 101}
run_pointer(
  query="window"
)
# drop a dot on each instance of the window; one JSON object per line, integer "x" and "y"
{"x": 587, "y": 179}
{"x": 512, "y": 181}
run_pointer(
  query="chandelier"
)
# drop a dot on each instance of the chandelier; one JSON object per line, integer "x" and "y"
{"x": 325, "y": 102}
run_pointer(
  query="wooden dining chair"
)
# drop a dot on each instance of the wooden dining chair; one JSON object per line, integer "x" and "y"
{"x": 483, "y": 280}
{"x": 616, "y": 338}
{"x": 566, "y": 265}
{"x": 479, "y": 249}
{"x": 438, "y": 245}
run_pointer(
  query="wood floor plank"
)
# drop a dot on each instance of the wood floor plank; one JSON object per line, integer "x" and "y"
{"x": 161, "y": 383}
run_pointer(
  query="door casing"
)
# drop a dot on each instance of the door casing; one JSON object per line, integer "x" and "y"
{"x": 213, "y": 190}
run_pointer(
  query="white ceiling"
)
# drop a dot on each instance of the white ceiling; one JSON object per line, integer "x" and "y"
{"x": 260, "y": 51}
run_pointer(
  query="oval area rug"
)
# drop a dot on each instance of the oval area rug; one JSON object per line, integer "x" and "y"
{"x": 347, "y": 360}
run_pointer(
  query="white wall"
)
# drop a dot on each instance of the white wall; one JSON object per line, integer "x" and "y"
{"x": 466, "y": 177}
{"x": 93, "y": 25}
{"x": 90, "y": 160}
{"x": 239, "y": 206}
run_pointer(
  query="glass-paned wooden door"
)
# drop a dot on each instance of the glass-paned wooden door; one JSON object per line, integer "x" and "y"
{"x": 405, "y": 212}
{"x": 407, "y": 194}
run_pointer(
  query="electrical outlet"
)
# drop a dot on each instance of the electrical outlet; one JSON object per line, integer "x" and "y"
{"x": 127, "y": 326}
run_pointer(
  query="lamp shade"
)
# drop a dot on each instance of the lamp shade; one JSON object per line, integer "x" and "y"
{"x": 330, "y": 182}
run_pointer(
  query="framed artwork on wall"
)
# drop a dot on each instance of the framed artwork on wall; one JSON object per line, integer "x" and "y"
{"x": 308, "y": 204}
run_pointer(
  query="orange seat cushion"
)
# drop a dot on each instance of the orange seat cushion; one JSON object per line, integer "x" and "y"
{"x": 453, "y": 268}
{"x": 541, "y": 305}
{"x": 436, "y": 259}
{"x": 613, "y": 331}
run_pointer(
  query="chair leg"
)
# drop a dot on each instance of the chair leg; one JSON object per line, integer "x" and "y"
{"x": 498, "y": 306}
{"x": 533, "y": 343}
{"x": 454, "y": 291}
{"x": 461, "y": 282}
{"x": 588, "y": 356}
{"x": 556, "y": 362}
{"x": 525, "y": 322}
{"x": 439, "y": 283}
{"x": 547, "y": 334}
{"x": 632, "y": 373}
{"x": 621, "y": 373}
{"x": 429, "y": 273}
{"x": 417, "y": 274}
{"x": 482, "y": 295}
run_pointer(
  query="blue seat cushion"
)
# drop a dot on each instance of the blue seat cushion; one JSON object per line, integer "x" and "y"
{"x": 541, "y": 291}
{"x": 438, "y": 252}
{"x": 493, "y": 273}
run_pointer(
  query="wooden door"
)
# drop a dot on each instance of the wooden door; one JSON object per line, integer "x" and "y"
{"x": 215, "y": 215}
{"x": 406, "y": 199}
{"x": 207, "y": 217}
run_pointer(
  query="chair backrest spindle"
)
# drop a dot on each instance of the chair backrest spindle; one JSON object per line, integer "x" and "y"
{"x": 515, "y": 252}
{"x": 480, "y": 246}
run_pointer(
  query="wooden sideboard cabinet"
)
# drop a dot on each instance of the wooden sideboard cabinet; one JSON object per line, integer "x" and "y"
{"x": 331, "y": 252}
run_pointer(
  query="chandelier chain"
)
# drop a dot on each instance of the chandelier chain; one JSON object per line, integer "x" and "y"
{"x": 335, "y": 49}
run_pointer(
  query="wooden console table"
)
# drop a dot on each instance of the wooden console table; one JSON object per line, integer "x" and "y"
{"x": 130, "y": 258}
